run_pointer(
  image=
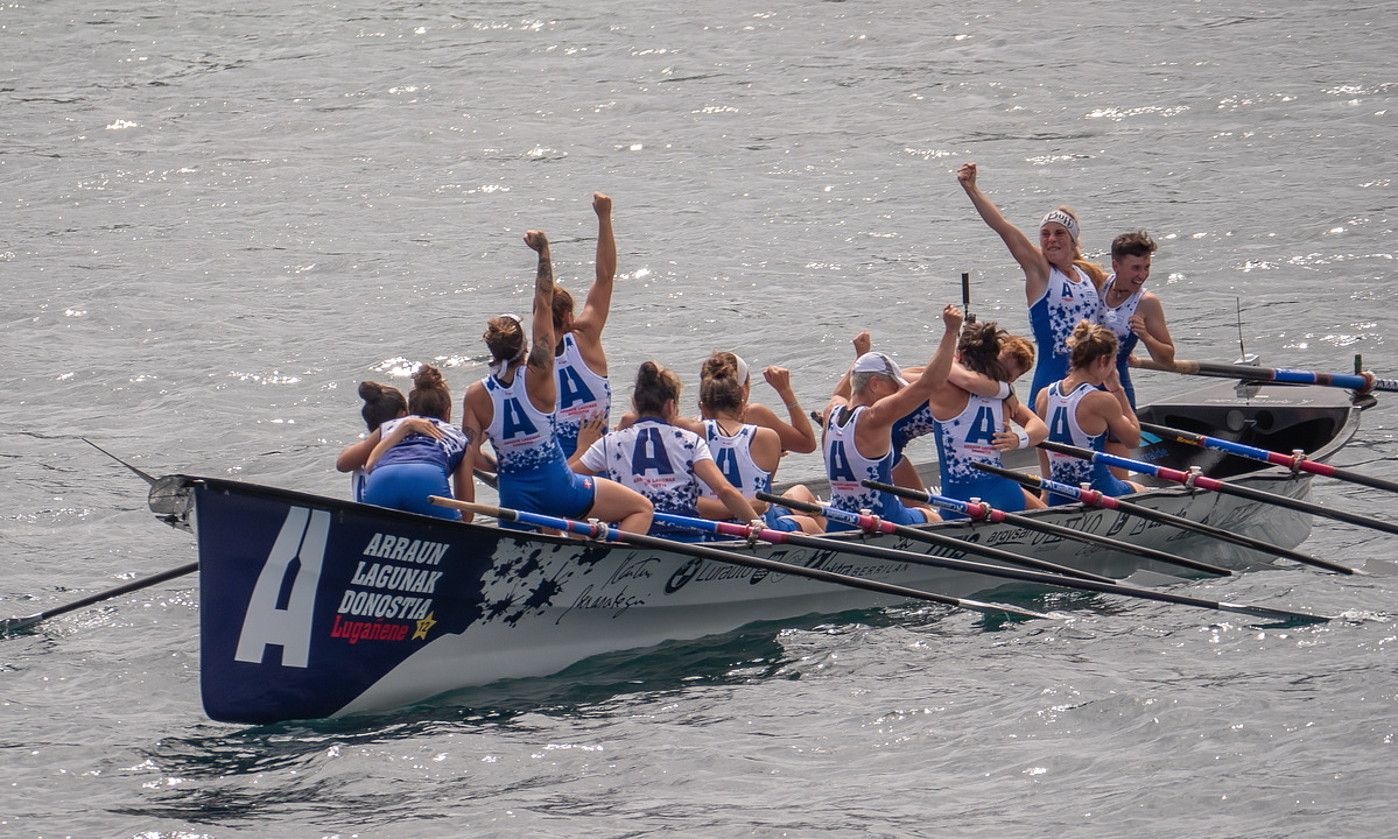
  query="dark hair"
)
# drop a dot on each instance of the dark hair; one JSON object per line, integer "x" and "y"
{"x": 1134, "y": 243}
{"x": 719, "y": 388}
{"x": 562, "y": 305}
{"x": 504, "y": 337}
{"x": 979, "y": 349}
{"x": 381, "y": 403}
{"x": 1089, "y": 342}
{"x": 429, "y": 396}
{"x": 654, "y": 387}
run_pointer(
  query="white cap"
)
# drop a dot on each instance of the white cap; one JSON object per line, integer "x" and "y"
{"x": 877, "y": 362}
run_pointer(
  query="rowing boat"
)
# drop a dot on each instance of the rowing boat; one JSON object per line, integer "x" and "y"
{"x": 314, "y": 607}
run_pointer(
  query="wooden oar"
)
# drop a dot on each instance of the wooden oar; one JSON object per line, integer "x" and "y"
{"x": 981, "y": 511}
{"x": 1360, "y": 382}
{"x": 1296, "y": 461}
{"x": 950, "y": 543}
{"x": 1095, "y": 498}
{"x": 10, "y": 626}
{"x": 1194, "y": 479}
{"x": 873, "y": 524}
{"x": 610, "y": 533}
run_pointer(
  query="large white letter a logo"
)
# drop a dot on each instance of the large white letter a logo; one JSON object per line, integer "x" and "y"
{"x": 302, "y": 538}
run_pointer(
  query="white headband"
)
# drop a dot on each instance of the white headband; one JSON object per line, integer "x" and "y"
{"x": 1060, "y": 217}
{"x": 742, "y": 369}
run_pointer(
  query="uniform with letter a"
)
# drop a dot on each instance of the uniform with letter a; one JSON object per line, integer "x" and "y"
{"x": 1053, "y": 316}
{"x": 534, "y": 474}
{"x": 845, "y": 466}
{"x": 1064, "y": 428}
{"x": 657, "y": 460}
{"x": 969, "y": 437}
{"x": 581, "y": 394}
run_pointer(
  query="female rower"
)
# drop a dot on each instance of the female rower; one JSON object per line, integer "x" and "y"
{"x": 974, "y": 429}
{"x": 1131, "y": 312}
{"x": 1080, "y": 413}
{"x": 513, "y": 406}
{"x": 381, "y": 404}
{"x": 859, "y": 427}
{"x": 661, "y": 460}
{"x": 1059, "y": 285}
{"x": 795, "y": 432}
{"x": 746, "y": 454}
{"x": 583, "y": 388}
{"x": 407, "y": 464}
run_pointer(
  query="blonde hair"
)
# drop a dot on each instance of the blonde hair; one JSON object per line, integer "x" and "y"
{"x": 1089, "y": 342}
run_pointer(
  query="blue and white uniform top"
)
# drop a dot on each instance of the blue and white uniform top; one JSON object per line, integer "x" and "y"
{"x": 581, "y": 394}
{"x": 657, "y": 460}
{"x": 1063, "y": 428}
{"x": 1118, "y": 320}
{"x": 733, "y": 454}
{"x": 1052, "y": 318}
{"x": 357, "y": 479}
{"x": 917, "y": 423}
{"x": 445, "y": 453}
{"x": 845, "y": 466}
{"x": 523, "y": 437}
{"x": 969, "y": 437}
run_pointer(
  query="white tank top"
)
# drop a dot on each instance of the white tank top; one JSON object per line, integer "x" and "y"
{"x": 846, "y": 467}
{"x": 1118, "y": 318}
{"x": 734, "y": 458}
{"x": 522, "y": 435}
{"x": 969, "y": 437}
{"x": 581, "y": 393}
{"x": 1063, "y": 428}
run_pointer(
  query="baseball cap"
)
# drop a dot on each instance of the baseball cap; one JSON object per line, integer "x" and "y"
{"x": 877, "y": 362}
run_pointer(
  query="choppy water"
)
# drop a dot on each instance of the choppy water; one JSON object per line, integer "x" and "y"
{"x": 217, "y": 219}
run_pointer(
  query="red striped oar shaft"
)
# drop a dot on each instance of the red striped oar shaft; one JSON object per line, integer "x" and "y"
{"x": 874, "y": 524}
{"x": 1191, "y": 479}
{"x": 983, "y": 511}
{"x": 1096, "y": 498}
{"x": 1361, "y": 382}
{"x": 1290, "y": 461}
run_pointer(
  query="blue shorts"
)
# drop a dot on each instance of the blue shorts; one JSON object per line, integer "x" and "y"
{"x": 775, "y": 519}
{"x": 405, "y": 486}
{"x": 566, "y": 494}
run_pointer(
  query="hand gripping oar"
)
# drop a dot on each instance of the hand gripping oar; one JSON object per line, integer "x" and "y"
{"x": 875, "y": 524}
{"x": 1360, "y": 382}
{"x": 607, "y": 532}
{"x": 1296, "y": 461}
{"x": 11, "y": 625}
{"x": 981, "y": 511}
{"x": 1193, "y": 479}
{"x": 1095, "y": 498}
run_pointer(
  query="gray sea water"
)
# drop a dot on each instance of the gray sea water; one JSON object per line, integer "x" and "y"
{"x": 216, "y": 218}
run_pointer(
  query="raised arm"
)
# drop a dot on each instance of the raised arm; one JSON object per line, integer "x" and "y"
{"x": 1030, "y": 259}
{"x": 593, "y": 317}
{"x": 796, "y": 435}
{"x": 1034, "y": 430}
{"x": 541, "y": 382}
{"x": 862, "y": 343}
{"x": 890, "y": 409}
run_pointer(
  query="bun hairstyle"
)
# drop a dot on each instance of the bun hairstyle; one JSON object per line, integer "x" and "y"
{"x": 562, "y": 308}
{"x": 719, "y": 388}
{"x": 654, "y": 387}
{"x": 979, "y": 349}
{"x": 504, "y": 337}
{"x": 429, "y": 396}
{"x": 381, "y": 403}
{"x": 1090, "y": 342}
